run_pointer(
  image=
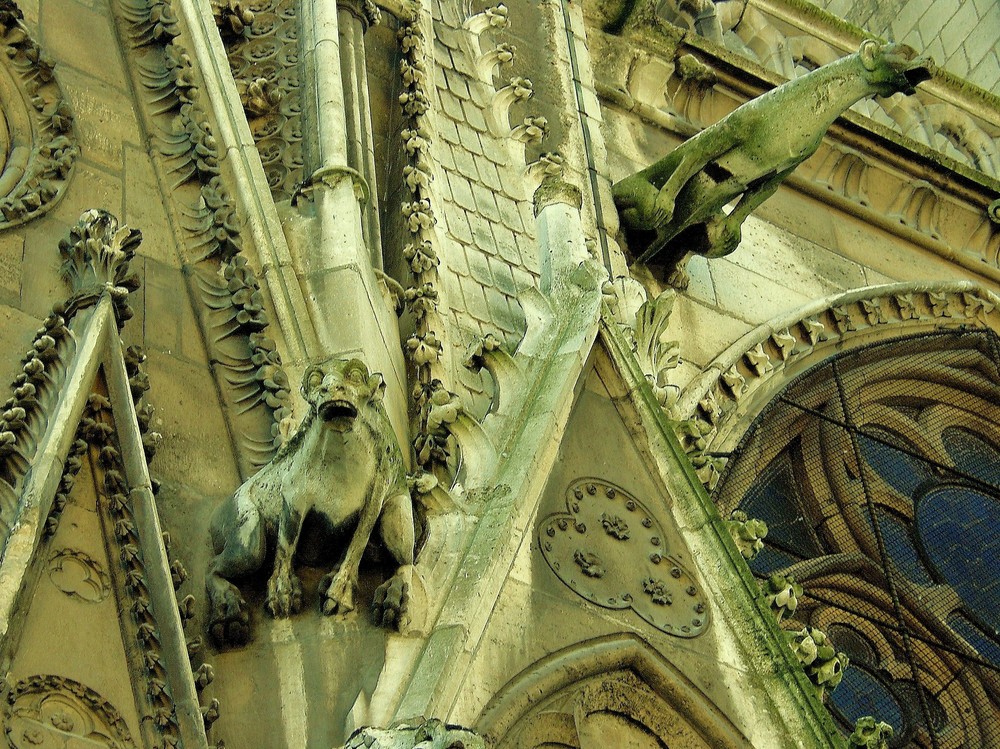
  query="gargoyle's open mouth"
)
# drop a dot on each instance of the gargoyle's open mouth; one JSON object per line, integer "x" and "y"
{"x": 919, "y": 74}
{"x": 338, "y": 409}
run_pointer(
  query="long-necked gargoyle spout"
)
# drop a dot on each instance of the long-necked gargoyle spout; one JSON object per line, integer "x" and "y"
{"x": 675, "y": 207}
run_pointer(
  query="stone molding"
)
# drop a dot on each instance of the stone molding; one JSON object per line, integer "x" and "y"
{"x": 192, "y": 145}
{"x": 741, "y": 380}
{"x": 605, "y": 655}
{"x": 36, "y": 126}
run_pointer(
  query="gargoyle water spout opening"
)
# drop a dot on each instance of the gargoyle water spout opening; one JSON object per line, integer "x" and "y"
{"x": 675, "y": 207}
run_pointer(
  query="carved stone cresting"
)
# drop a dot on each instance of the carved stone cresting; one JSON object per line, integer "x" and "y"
{"x": 342, "y": 466}
{"x": 438, "y": 408}
{"x": 38, "y": 144}
{"x": 55, "y": 711}
{"x": 609, "y": 549}
{"x": 744, "y": 369}
{"x": 261, "y": 41}
{"x": 416, "y": 734}
{"x": 680, "y": 197}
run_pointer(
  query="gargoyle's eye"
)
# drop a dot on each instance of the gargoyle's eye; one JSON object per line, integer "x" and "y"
{"x": 354, "y": 376}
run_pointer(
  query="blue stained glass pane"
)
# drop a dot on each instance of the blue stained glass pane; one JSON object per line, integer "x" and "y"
{"x": 957, "y": 528}
{"x": 770, "y": 559}
{"x": 901, "y": 471}
{"x": 988, "y": 648}
{"x": 972, "y": 455}
{"x": 861, "y": 693}
{"x": 899, "y": 547}
{"x": 773, "y": 499}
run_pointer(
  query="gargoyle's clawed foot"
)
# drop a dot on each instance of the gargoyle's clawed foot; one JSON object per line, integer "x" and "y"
{"x": 284, "y": 594}
{"x": 679, "y": 279}
{"x": 229, "y": 623}
{"x": 724, "y": 236}
{"x": 390, "y": 602}
{"x": 336, "y": 594}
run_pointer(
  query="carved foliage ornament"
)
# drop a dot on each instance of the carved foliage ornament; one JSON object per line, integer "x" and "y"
{"x": 611, "y": 550}
{"x": 37, "y": 145}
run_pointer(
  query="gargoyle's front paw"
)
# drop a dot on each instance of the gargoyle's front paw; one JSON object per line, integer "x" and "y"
{"x": 390, "y": 603}
{"x": 284, "y": 594}
{"x": 336, "y": 593}
{"x": 228, "y": 621}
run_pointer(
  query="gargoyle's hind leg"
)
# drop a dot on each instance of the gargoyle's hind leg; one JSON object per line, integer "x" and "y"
{"x": 284, "y": 591}
{"x": 239, "y": 544}
{"x": 396, "y": 529}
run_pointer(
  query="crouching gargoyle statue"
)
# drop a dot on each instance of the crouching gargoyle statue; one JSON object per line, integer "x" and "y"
{"x": 675, "y": 207}
{"x": 336, "y": 477}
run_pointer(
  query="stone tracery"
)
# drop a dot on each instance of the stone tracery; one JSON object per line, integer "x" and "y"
{"x": 880, "y": 528}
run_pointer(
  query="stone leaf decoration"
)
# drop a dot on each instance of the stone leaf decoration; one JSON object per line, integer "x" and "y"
{"x": 782, "y": 594}
{"x": 418, "y": 734}
{"x": 341, "y": 468}
{"x": 675, "y": 206}
{"x": 870, "y": 734}
{"x": 748, "y": 533}
{"x": 822, "y": 663}
{"x": 36, "y": 126}
{"x": 610, "y": 549}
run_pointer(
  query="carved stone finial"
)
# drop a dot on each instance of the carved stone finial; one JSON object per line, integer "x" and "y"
{"x": 747, "y": 532}
{"x": 675, "y": 207}
{"x": 96, "y": 257}
{"x": 657, "y": 357}
{"x": 870, "y": 734}
{"x": 415, "y": 734}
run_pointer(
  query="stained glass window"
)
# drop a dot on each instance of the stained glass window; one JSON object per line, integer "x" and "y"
{"x": 881, "y": 489}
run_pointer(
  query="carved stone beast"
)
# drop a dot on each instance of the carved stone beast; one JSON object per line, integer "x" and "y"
{"x": 336, "y": 477}
{"x": 677, "y": 202}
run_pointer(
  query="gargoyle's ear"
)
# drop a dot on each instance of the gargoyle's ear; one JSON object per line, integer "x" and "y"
{"x": 869, "y": 53}
{"x": 310, "y": 380}
{"x": 377, "y": 386}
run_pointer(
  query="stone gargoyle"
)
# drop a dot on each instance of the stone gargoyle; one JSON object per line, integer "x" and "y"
{"x": 675, "y": 207}
{"x": 336, "y": 477}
